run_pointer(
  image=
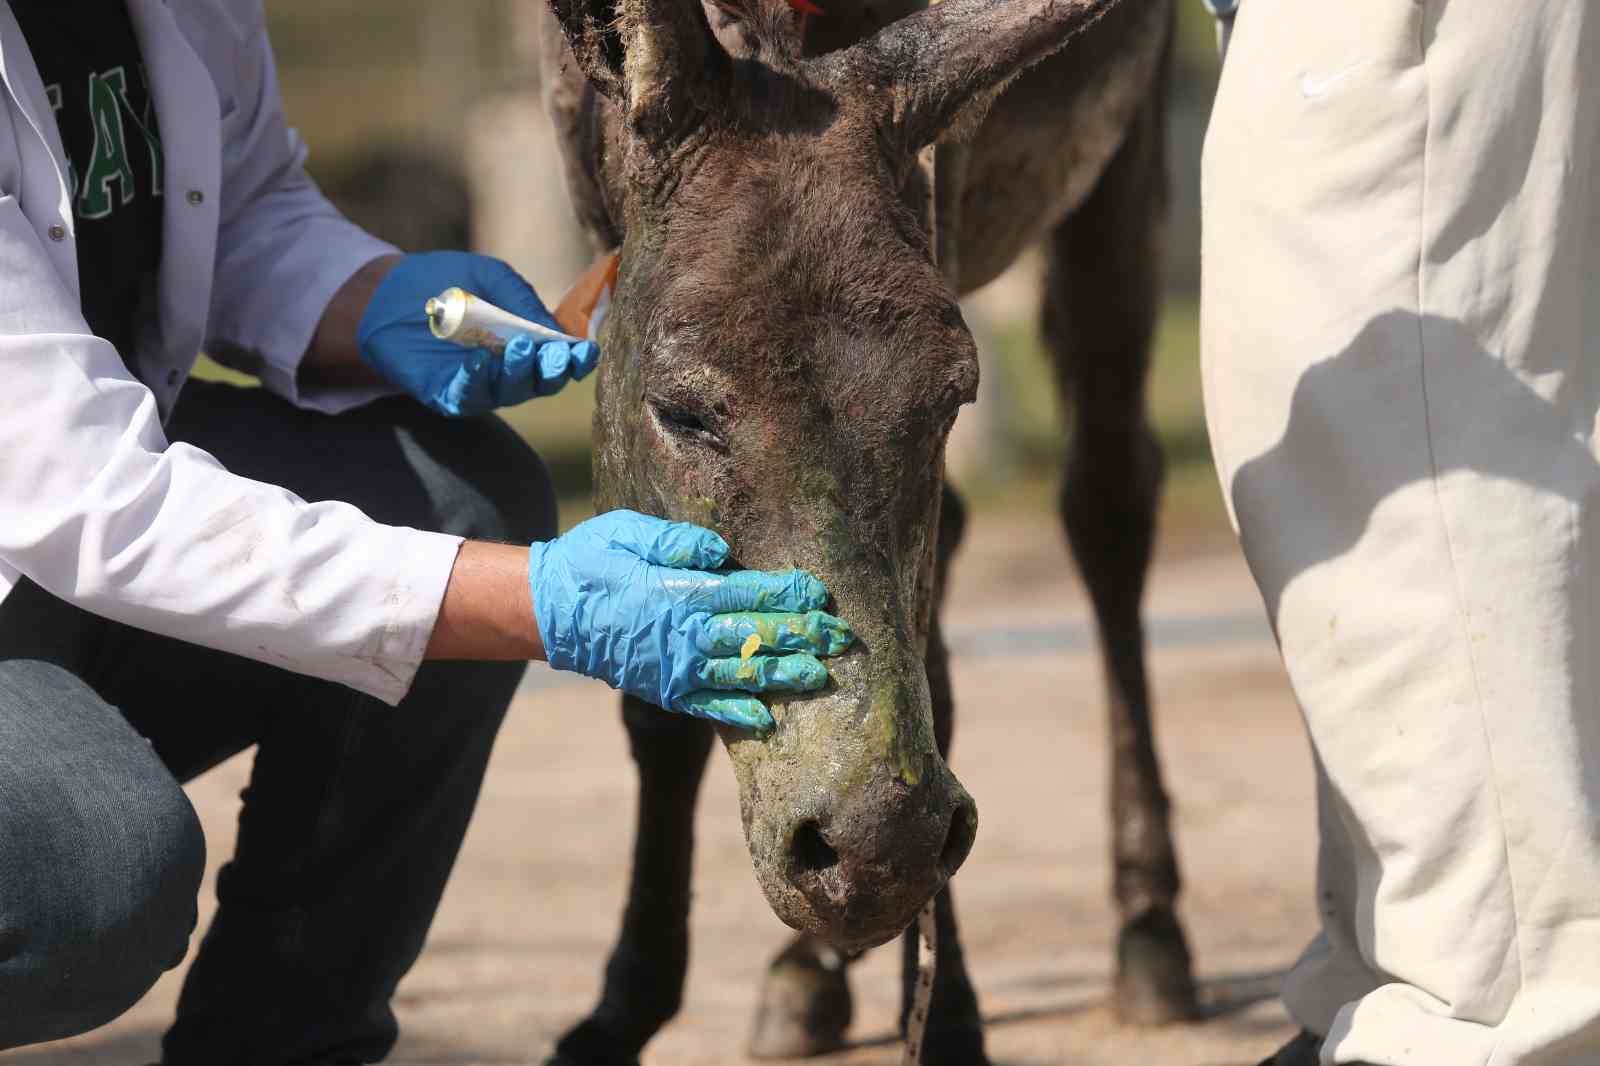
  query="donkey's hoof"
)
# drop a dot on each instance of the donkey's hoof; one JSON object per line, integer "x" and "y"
{"x": 954, "y": 1046}
{"x": 1155, "y": 984}
{"x": 804, "y": 1009}
{"x": 588, "y": 1044}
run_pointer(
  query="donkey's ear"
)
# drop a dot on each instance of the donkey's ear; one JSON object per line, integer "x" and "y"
{"x": 659, "y": 59}
{"x": 591, "y": 28}
{"x": 674, "y": 67}
{"x": 943, "y": 66}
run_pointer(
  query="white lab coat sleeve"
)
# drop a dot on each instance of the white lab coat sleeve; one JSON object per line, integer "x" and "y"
{"x": 283, "y": 250}
{"x": 98, "y": 509}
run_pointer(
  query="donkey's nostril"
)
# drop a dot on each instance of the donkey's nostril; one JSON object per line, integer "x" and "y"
{"x": 811, "y": 852}
{"x": 958, "y": 841}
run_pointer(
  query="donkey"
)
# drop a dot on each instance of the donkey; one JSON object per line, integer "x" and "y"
{"x": 784, "y": 360}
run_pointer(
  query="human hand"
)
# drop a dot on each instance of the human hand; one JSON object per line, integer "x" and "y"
{"x": 631, "y": 600}
{"x": 395, "y": 340}
{"x": 1224, "y": 12}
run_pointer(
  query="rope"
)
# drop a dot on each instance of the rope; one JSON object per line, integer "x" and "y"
{"x": 927, "y": 966}
{"x": 927, "y": 927}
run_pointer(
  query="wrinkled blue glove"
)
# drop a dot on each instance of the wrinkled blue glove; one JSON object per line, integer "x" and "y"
{"x": 630, "y": 599}
{"x": 395, "y": 340}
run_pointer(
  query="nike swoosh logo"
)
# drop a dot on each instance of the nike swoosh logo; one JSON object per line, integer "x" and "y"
{"x": 1312, "y": 87}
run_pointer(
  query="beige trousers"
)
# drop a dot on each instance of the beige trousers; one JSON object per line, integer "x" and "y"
{"x": 1401, "y": 320}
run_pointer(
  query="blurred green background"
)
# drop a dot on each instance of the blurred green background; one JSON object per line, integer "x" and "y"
{"x": 363, "y": 78}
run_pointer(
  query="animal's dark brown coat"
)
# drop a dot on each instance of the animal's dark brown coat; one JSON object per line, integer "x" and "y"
{"x": 784, "y": 360}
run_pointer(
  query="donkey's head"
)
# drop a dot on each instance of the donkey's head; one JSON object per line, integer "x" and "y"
{"x": 783, "y": 363}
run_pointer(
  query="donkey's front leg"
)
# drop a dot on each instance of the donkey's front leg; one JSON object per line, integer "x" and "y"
{"x": 805, "y": 1003}
{"x": 644, "y": 977}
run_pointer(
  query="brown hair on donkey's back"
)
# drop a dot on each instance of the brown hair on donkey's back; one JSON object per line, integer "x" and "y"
{"x": 784, "y": 362}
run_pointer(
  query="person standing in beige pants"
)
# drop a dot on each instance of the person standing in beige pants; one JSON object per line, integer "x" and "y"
{"x": 1401, "y": 346}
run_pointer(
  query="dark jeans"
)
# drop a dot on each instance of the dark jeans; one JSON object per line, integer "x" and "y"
{"x": 354, "y": 811}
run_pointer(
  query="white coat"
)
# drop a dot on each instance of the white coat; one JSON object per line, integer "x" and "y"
{"x": 95, "y": 506}
{"x": 1401, "y": 351}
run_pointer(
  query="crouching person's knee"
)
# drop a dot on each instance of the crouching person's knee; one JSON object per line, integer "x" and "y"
{"x": 511, "y": 498}
{"x": 99, "y": 876}
{"x": 481, "y": 480}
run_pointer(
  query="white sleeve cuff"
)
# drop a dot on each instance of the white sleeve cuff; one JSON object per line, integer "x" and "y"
{"x": 284, "y": 342}
{"x": 388, "y": 664}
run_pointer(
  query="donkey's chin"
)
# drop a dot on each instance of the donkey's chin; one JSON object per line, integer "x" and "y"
{"x": 852, "y": 824}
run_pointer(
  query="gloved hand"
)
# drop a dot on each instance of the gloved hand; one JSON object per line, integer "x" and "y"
{"x": 1224, "y": 12}
{"x": 629, "y": 599}
{"x": 396, "y": 342}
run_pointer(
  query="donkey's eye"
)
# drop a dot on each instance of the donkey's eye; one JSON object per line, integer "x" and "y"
{"x": 686, "y": 424}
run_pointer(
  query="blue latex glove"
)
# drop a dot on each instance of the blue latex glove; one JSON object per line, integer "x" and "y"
{"x": 395, "y": 340}
{"x": 630, "y": 599}
{"x": 1224, "y": 11}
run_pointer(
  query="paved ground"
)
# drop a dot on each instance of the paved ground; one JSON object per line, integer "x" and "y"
{"x": 516, "y": 950}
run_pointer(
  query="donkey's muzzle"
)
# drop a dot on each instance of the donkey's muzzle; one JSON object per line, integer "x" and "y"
{"x": 865, "y": 863}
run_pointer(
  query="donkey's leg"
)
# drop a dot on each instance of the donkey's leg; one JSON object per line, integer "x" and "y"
{"x": 805, "y": 1006}
{"x": 644, "y": 977}
{"x": 1101, "y": 302}
{"x": 954, "y": 1030}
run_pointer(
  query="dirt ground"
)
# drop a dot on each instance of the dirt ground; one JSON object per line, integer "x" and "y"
{"x": 515, "y": 954}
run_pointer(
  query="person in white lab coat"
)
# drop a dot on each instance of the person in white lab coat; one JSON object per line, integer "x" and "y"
{"x": 1400, "y": 333}
{"x": 190, "y": 569}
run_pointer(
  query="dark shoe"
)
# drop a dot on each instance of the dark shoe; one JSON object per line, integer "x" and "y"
{"x": 1303, "y": 1050}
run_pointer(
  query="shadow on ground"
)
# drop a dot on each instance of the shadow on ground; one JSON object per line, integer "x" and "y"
{"x": 1220, "y": 997}
{"x": 137, "y": 1046}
